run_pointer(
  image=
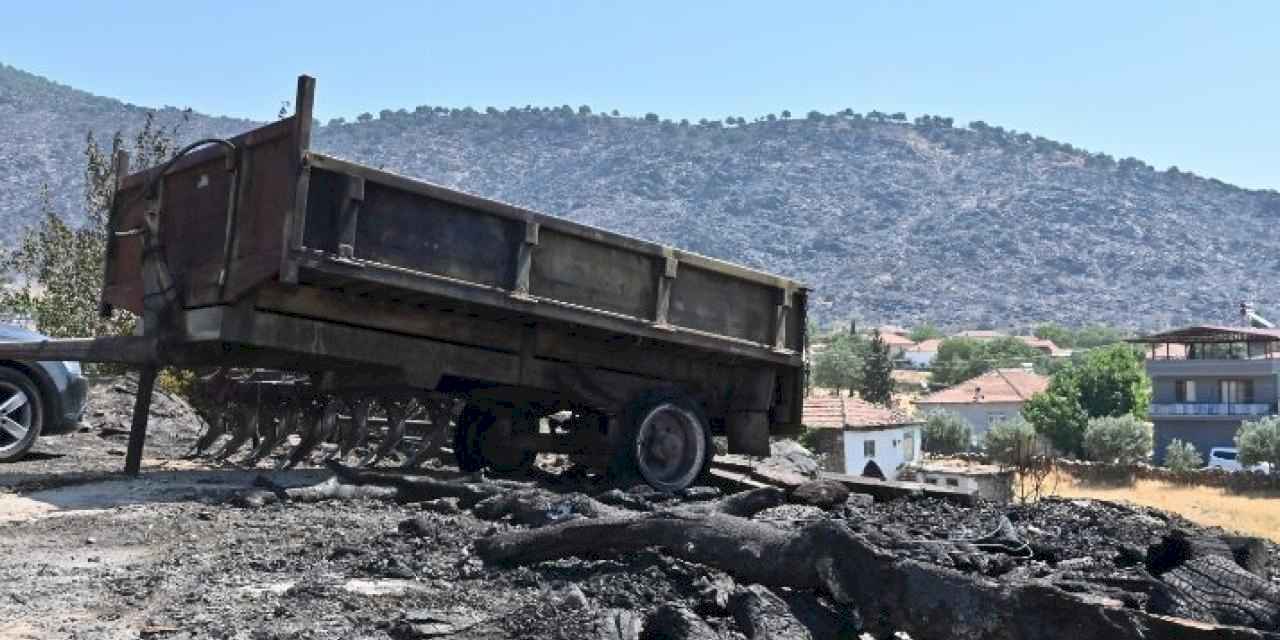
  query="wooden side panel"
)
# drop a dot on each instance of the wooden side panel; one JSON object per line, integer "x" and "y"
{"x": 194, "y": 196}
{"x": 713, "y": 302}
{"x": 594, "y": 275}
{"x": 411, "y": 231}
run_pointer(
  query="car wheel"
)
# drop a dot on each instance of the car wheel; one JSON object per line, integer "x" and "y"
{"x": 21, "y": 414}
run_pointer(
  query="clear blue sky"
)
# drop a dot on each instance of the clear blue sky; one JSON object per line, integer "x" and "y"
{"x": 1190, "y": 84}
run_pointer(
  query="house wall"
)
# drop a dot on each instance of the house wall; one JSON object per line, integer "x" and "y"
{"x": 920, "y": 359}
{"x": 997, "y": 487}
{"x": 1164, "y": 389}
{"x": 894, "y": 448}
{"x": 1204, "y": 434}
{"x": 978, "y": 415}
{"x": 828, "y": 444}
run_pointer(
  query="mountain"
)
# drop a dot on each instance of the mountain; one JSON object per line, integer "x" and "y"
{"x": 888, "y": 220}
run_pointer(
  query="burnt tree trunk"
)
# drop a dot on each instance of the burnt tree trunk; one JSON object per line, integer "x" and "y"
{"x": 889, "y": 593}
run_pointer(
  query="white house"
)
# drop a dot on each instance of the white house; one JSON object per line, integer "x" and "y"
{"x": 921, "y": 354}
{"x": 860, "y": 438}
{"x": 986, "y": 399}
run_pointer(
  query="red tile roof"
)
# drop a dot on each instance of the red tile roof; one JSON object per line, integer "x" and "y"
{"x": 999, "y": 385}
{"x": 839, "y": 412}
{"x": 895, "y": 340}
{"x": 929, "y": 346}
{"x": 1044, "y": 345}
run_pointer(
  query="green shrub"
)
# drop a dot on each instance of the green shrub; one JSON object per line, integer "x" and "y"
{"x": 1117, "y": 440}
{"x": 1182, "y": 456}
{"x": 946, "y": 432}
{"x": 1011, "y": 442}
{"x": 1259, "y": 441}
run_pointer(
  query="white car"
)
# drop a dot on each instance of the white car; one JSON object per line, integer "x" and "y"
{"x": 1228, "y": 459}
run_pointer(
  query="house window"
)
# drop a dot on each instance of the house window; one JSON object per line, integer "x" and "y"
{"x": 1184, "y": 390}
{"x": 1236, "y": 391}
{"x": 868, "y": 448}
{"x": 952, "y": 482}
{"x": 993, "y": 418}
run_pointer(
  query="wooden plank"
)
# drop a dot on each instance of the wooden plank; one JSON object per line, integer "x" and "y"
{"x": 295, "y": 220}
{"x": 546, "y": 309}
{"x": 885, "y": 490}
{"x": 120, "y": 166}
{"x": 452, "y": 327}
{"x": 733, "y": 480}
{"x": 559, "y": 224}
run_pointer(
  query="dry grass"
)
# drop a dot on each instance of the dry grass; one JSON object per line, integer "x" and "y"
{"x": 1252, "y": 513}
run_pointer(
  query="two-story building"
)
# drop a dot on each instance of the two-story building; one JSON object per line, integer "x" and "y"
{"x": 1207, "y": 380}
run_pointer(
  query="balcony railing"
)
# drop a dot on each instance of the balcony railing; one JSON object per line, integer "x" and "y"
{"x": 1212, "y": 409}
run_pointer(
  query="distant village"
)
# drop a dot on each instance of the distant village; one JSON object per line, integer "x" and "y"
{"x": 1190, "y": 389}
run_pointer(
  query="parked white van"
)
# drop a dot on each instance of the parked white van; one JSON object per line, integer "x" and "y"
{"x": 1228, "y": 459}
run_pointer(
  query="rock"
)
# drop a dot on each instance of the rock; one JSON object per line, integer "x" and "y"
{"x": 570, "y": 598}
{"x": 860, "y": 500}
{"x": 714, "y": 594}
{"x": 699, "y": 494}
{"x": 418, "y": 527}
{"x": 676, "y": 622}
{"x": 628, "y": 500}
{"x": 824, "y": 494}
{"x": 792, "y": 456}
{"x": 618, "y": 624}
{"x": 428, "y": 623}
{"x": 443, "y": 506}
{"x": 762, "y": 615}
{"x": 1077, "y": 564}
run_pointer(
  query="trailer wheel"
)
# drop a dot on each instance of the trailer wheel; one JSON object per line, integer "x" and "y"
{"x": 476, "y": 443}
{"x": 666, "y": 442}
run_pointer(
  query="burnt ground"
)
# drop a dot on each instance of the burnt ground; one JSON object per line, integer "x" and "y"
{"x": 89, "y": 554}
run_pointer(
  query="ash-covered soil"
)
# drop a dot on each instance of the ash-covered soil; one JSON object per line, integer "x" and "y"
{"x": 90, "y": 554}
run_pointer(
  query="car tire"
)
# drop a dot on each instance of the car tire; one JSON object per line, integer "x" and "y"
{"x": 22, "y": 414}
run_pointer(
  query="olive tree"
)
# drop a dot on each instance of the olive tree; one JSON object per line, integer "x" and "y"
{"x": 1117, "y": 439}
{"x": 1259, "y": 442}
{"x": 1182, "y": 456}
{"x": 945, "y": 432}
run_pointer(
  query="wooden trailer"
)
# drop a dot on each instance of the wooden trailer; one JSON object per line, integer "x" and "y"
{"x": 256, "y": 251}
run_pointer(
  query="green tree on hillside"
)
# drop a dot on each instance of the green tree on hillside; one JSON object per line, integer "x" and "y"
{"x": 1058, "y": 334}
{"x": 877, "y": 372}
{"x": 59, "y": 264}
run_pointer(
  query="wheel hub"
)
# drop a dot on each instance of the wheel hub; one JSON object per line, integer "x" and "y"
{"x": 15, "y": 415}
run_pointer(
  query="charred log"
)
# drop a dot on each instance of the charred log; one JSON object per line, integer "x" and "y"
{"x": 828, "y": 558}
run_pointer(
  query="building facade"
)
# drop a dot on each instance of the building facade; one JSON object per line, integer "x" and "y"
{"x": 986, "y": 399}
{"x": 859, "y": 438}
{"x": 1207, "y": 380}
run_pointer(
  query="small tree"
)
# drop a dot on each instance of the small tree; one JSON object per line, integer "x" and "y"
{"x": 924, "y": 331}
{"x": 60, "y": 263}
{"x": 1259, "y": 442}
{"x": 1122, "y": 440}
{"x": 786, "y": 114}
{"x": 1182, "y": 457}
{"x": 877, "y": 372}
{"x": 946, "y": 432}
{"x": 1013, "y": 444}
{"x": 839, "y": 366}
{"x": 1010, "y": 442}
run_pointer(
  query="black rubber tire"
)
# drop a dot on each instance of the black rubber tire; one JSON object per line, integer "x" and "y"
{"x": 468, "y": 441}
{"x": 35, "y": 414}
{"x": 627, "y": 466}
